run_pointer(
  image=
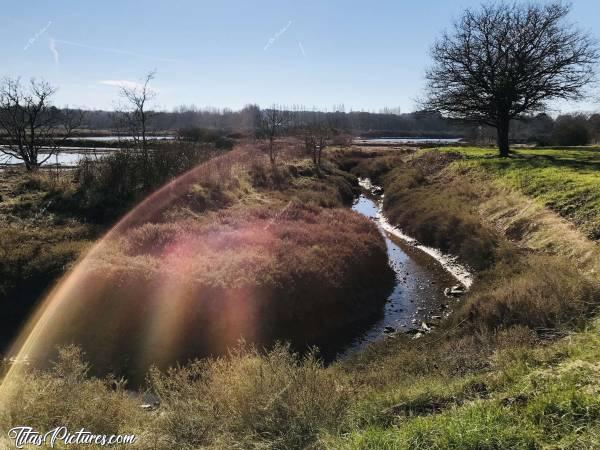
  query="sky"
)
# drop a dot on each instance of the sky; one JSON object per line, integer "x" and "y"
{"x": 365, "y": 55}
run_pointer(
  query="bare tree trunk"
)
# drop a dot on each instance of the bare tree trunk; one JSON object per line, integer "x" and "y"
{"x": 503, "y": 129}
{"x": 318, "y": 159}
{"x": 272, "y": 150}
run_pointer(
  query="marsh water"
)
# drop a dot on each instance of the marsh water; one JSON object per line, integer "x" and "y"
{"x": 65, "y": 158}
{"x": 70, "y": 156}
{"x": 406, "y": 140}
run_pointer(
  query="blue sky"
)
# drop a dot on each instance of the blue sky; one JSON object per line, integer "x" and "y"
{"x": 363, "y": 54}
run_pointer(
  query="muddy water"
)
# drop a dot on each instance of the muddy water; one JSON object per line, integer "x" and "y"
{"x": 418, "y": 295}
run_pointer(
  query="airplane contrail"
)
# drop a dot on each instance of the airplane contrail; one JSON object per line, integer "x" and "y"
{"x": 277, "y": 35}
{"x": 54, "y": 50}
{"x": 301, "y": 48}
{"x": 114, "y": 50}
{"x": 37, "y": 35}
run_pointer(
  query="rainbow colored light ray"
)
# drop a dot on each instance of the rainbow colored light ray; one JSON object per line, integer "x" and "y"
{"x": 97, "y": 302}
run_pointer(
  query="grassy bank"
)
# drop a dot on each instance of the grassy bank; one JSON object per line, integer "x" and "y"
{"x": 564, "y": 180}
{"x": 167, "y": 292}
{"x": 37, "y": 245}
{"x": 493, "y": 377}
{"x": 515, "y": 365}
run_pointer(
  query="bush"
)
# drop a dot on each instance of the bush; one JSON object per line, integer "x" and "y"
{"x": 571, "y": 131}
{"x": 248, "y": 400}
{"x": 108, "y": 186}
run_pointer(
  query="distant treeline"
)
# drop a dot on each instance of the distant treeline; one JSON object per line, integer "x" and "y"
{"x": 571, "y": 129}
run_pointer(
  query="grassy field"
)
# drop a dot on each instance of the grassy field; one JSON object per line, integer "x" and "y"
{"x": 565, "y": 180}
{"x": 539, "y": 397}
{"x": 515, "y": 366}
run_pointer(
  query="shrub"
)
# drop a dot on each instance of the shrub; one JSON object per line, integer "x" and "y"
{"x": 110, "y": 185}
{"x": 248, "y": 400}
{"x": 66, "y": 396}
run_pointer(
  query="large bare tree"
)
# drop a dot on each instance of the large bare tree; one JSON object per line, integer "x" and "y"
{"x": 31, "y": 124}
{"x": 506, "y": 59}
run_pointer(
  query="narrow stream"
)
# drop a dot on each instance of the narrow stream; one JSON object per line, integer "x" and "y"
{"x": 417, "y": 301}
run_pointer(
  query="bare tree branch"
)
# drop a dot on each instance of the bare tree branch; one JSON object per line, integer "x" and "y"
{"x": 135, "y": 117}
{"x": 273, "y": 121}
{"x": 31, "y": 123}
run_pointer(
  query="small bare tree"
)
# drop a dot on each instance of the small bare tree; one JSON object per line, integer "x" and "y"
{"x": 135, "y": 115}
{"x": 31, "y": 124}
{"x": 507, "y": 59}
{"x": 317, "y": 136}
{"x": 273, "y": 122}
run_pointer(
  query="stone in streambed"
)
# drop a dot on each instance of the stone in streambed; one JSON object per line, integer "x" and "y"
{"x": 454, "y": 291}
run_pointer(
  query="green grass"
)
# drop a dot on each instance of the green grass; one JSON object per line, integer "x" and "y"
{"x": 564, "y": 180}
{"x": 546, "y": 397}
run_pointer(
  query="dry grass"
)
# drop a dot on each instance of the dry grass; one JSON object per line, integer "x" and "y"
{"x": 249, "y": 400}
{"x": 541, "y": 292}
{"x": 445, "y": 203}
{"x": 261, "y": 273}
{"x": 226, "y": 255}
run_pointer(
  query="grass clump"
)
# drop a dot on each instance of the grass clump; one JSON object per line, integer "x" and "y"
{"x": 540, "y": 292}
{"x": 275, "y": 400}
{"x": 261, "y": 273}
